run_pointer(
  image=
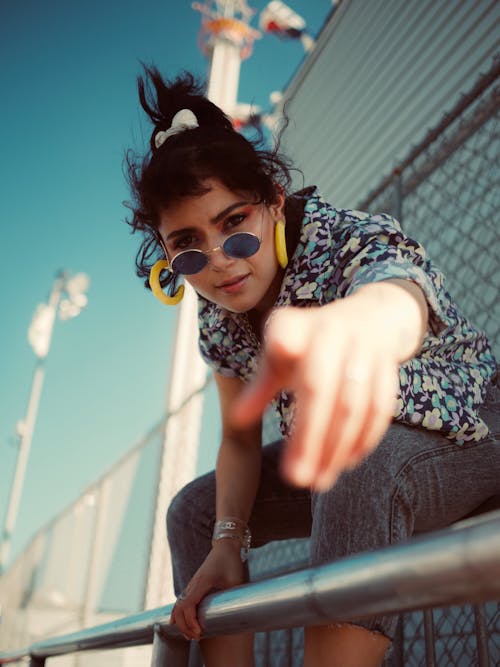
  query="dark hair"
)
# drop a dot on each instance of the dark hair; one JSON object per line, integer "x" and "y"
{"x": 182, "y": 164}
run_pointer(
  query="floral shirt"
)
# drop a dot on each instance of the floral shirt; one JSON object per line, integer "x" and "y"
{"x": 338, "y": 251}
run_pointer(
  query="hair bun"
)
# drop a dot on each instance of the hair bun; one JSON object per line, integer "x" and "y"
{"x": 162, "y": 100}
{"x": 182, "y": 121}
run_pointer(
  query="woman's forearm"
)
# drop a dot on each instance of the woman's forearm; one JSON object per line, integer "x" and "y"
{"x": 400, "y": 308}
{"x": 237, "y": 478}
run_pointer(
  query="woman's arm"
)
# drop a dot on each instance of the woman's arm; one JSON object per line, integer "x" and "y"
{"x": 237, "y": 479}
{"x": 341, "y": 361}
{"x": 402, "y": 312}
{"x": 238, "y": 461}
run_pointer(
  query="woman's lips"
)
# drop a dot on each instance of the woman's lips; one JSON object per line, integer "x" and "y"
{"x": 233, "y": 284}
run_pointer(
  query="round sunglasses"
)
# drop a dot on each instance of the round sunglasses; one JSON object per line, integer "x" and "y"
{"x": 239, "y": 245}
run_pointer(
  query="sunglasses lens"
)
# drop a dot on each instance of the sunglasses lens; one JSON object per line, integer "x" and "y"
{"x": 241, "y": 244}
{"x": 237, "y": 246}
{"x": 189, "y": 262}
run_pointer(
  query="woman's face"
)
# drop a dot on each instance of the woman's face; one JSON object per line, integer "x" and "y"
{"x": 204, "y": 222}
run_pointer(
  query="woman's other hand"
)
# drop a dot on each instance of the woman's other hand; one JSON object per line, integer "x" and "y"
{"x": 221, "y": 569}
{"x": 341, "y": 361}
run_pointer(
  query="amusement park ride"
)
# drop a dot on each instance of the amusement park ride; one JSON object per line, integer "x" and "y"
{"x": 226, "y": 39}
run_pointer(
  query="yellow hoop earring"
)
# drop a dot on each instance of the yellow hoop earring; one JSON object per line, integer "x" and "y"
{"x": 280, "y": 244}
{"x": 154, "y": 283}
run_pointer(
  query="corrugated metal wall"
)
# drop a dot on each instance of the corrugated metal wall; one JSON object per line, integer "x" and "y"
{"x": 383, "y": 72}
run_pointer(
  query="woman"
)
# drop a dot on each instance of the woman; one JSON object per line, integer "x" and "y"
{"x": 340, "y": 321}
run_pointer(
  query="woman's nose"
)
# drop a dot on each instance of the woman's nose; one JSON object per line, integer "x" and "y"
{"x": 218, "y": 259}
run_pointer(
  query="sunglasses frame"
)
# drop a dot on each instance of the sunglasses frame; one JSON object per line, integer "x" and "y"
{"x": 206, "y": 253}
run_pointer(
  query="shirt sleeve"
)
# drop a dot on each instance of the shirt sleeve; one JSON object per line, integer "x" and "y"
{"x": 374, "y": 248}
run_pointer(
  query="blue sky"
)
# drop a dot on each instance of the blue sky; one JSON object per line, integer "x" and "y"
{"x": 69, "y": 112}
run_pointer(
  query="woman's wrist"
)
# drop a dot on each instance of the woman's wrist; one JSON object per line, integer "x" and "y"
{"x": 233, "y": 530}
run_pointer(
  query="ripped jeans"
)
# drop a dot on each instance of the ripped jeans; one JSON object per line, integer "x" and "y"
{"x": 414, "y": 481}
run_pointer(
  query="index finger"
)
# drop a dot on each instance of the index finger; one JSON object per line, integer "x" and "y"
{"x": 282, "y": 351}
{"x": 253, "y": 400}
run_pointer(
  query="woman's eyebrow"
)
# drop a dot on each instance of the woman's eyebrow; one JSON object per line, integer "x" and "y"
{"x": 180, "y": 232}
{"x": 227, "y": 210}
{"x": 222, "y": 214}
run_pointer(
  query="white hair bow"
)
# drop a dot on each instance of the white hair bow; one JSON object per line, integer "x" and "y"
{"x": 183, "y": 120}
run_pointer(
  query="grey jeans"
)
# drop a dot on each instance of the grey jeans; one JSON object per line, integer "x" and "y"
{"x": 414, "y": 481}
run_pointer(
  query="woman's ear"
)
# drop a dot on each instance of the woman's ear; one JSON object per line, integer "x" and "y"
{"x": 277, "y": 208}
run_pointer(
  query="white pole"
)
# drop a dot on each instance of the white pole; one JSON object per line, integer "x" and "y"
{"x": 224, "y": 75}
{"x": 180, "y": 445}
{"x": 22, "y": 461}
{"x": 28, "y": 428}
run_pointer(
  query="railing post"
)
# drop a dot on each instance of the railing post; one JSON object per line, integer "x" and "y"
{"x": 429, "y": 638}
{"x": 483, "y": 658}
{"x": 195, "y": 657}
{"x": 169, "y": 651}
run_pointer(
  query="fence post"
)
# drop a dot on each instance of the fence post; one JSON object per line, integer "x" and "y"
{"x": 398, "y": 647}
{"x": 37, "y": 662}
{"x": 429, "y": 638}
{"x": 289, "y": 647}
{"x": 483, "y": 658}
{"x": 169, "y": 651}
{"x": 397, "y": 195}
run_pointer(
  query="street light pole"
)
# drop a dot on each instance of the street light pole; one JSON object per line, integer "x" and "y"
{"x": 22, "y": 460}
{"x": 40, "y": 336}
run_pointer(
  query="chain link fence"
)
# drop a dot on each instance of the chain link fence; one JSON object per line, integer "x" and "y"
{"x": 446, "y": 194}
{"x": 88, "y": 565}
{"x": 449, "y": 637}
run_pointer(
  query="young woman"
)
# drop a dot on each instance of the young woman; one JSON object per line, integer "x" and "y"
{"x": 382, "y": 388}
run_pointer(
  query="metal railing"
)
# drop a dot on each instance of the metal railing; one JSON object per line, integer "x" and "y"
{"x": 452, "y": 566}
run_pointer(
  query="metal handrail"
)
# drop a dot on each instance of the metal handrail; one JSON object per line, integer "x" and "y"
{"x": 457, "y": 565}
